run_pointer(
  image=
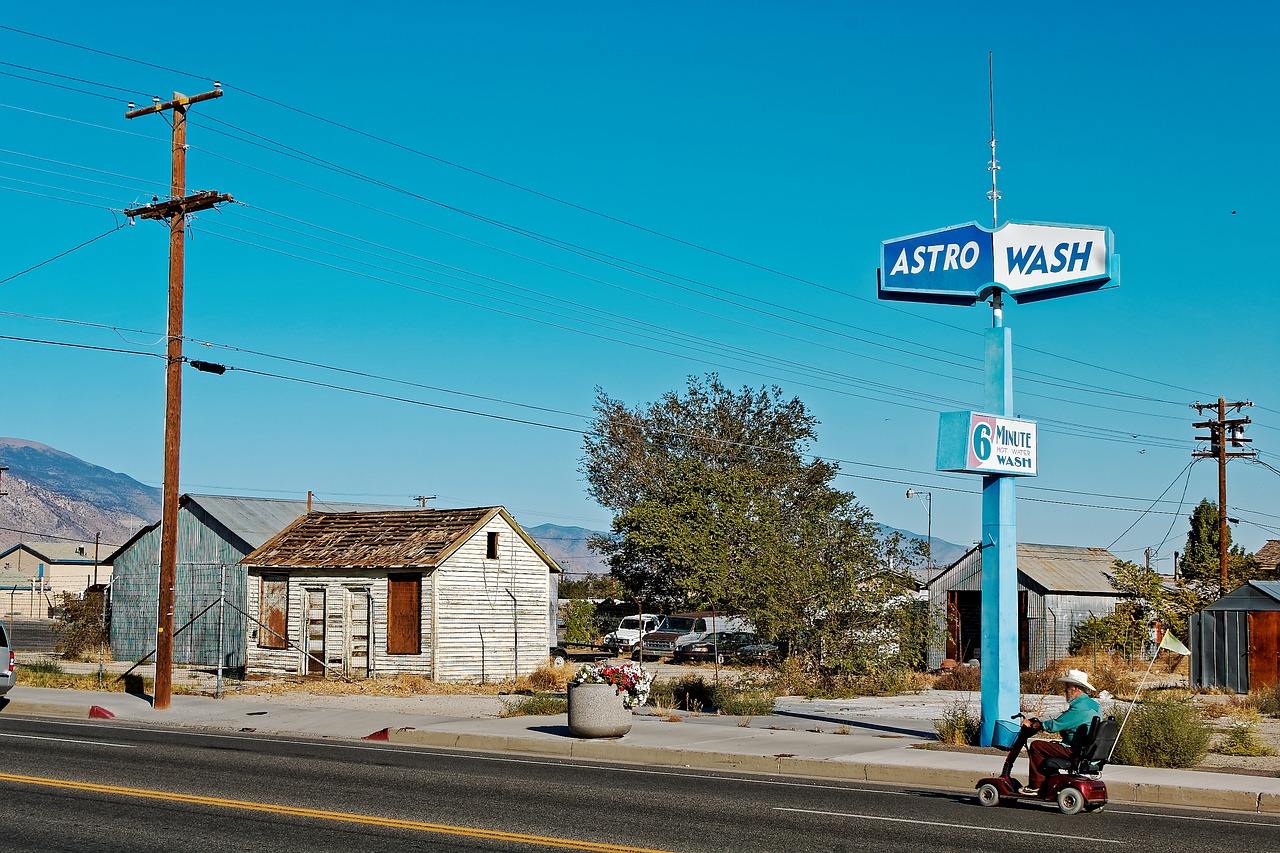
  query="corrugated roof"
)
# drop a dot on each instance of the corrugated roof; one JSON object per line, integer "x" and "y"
{"x": 1068, "y": 568}
{"x": 1056, "y": 568}
{"x": 418, "y": 538}
{"x": 1271, "y": 588}
{"x": 255, "y": 520}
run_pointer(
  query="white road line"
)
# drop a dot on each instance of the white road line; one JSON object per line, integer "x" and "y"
{"x": 70, "y": 740}
{"x": 1193, "y": 817}
{"x": 1057, "y": 835}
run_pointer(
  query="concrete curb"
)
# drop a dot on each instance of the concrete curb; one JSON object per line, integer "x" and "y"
{"x": 819, "y": 768}
{"x": 21, "y": 707}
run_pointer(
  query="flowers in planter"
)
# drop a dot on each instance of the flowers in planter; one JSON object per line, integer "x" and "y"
{"x": 630, "y": 680}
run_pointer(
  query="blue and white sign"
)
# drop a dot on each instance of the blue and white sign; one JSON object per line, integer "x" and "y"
{"x": 976, "y": 443}
{"x": 1029, "y": 261}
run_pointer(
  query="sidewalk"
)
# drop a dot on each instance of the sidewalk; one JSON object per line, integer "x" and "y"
{"x": 856, "y": 739}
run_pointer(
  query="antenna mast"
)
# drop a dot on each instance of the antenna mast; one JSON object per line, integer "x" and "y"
{"x": 997, "y": 300}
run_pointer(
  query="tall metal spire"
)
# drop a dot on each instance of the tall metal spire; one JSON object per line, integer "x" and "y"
{"x": 994, "y": 165}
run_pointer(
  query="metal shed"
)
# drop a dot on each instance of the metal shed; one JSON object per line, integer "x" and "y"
{"x": 1235, "y": 642}
{"x": 214, "y": 533}
{"x": 1059, "y": 586}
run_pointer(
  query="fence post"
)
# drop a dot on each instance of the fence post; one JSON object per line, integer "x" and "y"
{"x": 222, "y": 580}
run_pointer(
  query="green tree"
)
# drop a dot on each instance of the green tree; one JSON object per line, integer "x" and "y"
{"x": 1200, "y": 564}
{"x": 717, "y": 504}
{"x": 579, "y": 622}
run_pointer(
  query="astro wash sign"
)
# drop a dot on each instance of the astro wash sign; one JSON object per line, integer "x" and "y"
{"x": 1029, "y": 261}
{"x": 976, "y": 443}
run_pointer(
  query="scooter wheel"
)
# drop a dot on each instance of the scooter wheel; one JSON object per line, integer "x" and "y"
{"x": 1070, "y": 800}
{"x": 988, "y": 795}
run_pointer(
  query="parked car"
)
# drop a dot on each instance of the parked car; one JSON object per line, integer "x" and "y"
{"x": 757, "y": 650}
{"x": 719, "y": 647}
{"x": 626, "y": 637}
{"x": 8, "y": 674}
{"x": 680, "y": 629}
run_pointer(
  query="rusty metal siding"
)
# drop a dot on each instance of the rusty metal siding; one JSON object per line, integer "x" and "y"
{"x": 479, "y": 622}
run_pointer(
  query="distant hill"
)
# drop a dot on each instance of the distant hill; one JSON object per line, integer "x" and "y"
{"x": 53, "y": 493}
{"x": 568, "y": 547}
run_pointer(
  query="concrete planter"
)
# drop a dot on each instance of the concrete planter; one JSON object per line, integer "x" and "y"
{"x": 596, "y": 710}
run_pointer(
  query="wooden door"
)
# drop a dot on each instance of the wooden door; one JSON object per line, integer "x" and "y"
{"x": 313, "y": 632}
{"x": 1264, "y": 648}
{"x": 357, "y": 624}
{"x": 1024, "y": 632}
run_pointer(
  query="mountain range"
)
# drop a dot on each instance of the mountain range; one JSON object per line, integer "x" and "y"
{"x": 48, "y": 494}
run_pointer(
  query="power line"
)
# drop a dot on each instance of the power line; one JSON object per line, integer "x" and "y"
{"x": 61, "y": 254}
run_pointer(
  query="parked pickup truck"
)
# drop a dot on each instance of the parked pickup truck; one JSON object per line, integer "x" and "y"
{"x": 680, "y": 629}
{"x": 626, "y": 637}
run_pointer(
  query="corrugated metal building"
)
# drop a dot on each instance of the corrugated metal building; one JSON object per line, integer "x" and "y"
{"x": 1059, "y": 586}
{"x": 454, "y": 595}
{"x": 214, "y": 533}
{"x": 1235, "y": 642}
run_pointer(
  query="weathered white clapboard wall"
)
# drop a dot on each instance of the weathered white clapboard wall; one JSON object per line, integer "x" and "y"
{"x": 469, "y": 626}
{"x": 476, "y": 624}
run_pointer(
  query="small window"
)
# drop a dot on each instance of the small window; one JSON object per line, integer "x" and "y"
{"x": 491, "y": 548}
{"x": 404, "y": 614}
{"x": 273, "y": 612}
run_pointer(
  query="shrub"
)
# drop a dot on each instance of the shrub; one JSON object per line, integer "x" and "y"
{"x": 43, "y": 667}
{"x": 538, "y": 705}
{"x": 1107, "y": 673}
{"x": 1163, "y": 734}
{"x": 958, "y": 725}
{"x": 546, "y": 678}
{"x": 81, "y": 626}
{"x": 1242, "y": 737}
{"x": 961, "y": 678}
{"x": 1267, "y": 700}
{"x": 743, "y": 701}
{"x": 689, "y": 693}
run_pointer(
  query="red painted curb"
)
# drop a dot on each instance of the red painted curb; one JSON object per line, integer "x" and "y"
{"x": 97, "y": 712}
{"x": 381, "y": 734}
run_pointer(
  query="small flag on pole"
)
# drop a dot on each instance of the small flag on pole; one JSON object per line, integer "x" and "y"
{"x": 1173, "y": 644}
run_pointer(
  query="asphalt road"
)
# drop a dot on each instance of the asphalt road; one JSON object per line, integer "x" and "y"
{"x": 86, "y": 787}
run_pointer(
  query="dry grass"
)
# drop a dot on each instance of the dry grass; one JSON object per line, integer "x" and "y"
{"x": 542, "y": 680}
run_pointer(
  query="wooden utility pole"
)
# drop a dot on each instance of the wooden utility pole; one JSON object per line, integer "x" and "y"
{"x": 1220, "y": 432}
{"x": 175, "y": 210}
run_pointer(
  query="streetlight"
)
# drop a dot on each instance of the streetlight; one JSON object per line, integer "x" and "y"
{"x": 928, "y": 546}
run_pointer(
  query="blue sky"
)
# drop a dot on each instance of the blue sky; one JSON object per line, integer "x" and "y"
{"x": 472, "y": 230}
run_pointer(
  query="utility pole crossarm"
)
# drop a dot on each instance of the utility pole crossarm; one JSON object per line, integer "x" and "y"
{"x": 179, "y": 102}
{"x": 179, "y": 206}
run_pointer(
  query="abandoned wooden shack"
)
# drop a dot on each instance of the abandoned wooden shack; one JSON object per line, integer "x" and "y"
{"x": 450, "y": 594}
{"x": 1059, "y": 586}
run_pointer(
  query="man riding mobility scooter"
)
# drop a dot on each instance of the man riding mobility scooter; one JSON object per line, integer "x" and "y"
{"x": 1070, "y": 775}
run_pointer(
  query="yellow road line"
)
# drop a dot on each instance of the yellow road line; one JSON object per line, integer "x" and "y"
{"x": 319, "y": 814}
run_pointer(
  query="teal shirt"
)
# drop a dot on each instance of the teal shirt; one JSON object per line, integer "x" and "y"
{"x": 1079, "y": 713}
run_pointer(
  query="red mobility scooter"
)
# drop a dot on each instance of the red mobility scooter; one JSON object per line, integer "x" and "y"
{"x": 1072, "y": 783}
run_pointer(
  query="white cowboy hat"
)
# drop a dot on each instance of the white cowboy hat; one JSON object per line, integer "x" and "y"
{"x": 1078, "y": 678}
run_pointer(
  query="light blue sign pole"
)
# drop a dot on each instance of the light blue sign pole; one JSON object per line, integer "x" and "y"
{"x": 1001, "y": 692}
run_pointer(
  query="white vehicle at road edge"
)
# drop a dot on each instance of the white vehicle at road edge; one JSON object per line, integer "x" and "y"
{"x": 626, "y": 637}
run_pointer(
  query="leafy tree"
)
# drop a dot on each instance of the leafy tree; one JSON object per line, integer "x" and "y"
{"x": 717, "y": 504}
{"x": 1200, "y": 564}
